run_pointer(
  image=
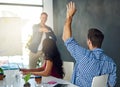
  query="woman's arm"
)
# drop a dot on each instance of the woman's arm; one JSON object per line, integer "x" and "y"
{"x": 45, "y": 72}
{"x": 33, "y": 70}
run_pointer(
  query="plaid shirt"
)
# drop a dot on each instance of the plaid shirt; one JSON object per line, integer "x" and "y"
{"x": 90, "y": 63}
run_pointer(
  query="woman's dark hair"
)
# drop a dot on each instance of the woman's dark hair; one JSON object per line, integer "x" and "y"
{"x": 51, "y": 53}
{"x": 96, "y": 37}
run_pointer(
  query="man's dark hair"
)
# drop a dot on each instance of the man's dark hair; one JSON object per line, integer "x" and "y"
{"x": 96, "y": 37}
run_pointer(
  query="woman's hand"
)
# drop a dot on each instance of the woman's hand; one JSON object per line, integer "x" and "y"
{"x": 25, "y": 73}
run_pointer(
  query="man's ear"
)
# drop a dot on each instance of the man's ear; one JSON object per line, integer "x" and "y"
{"x": 89, "y": 42}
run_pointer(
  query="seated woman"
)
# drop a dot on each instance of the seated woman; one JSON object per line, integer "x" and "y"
{"x": 52, "y": 65}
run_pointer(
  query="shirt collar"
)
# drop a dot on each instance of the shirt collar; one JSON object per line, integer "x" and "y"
{"x": 97, "y": 49}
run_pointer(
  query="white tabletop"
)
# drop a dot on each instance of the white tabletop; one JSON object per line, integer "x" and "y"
{"x": 14, "y": 79}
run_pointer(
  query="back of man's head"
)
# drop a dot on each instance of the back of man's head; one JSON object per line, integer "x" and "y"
{"x": 96, "y": 37}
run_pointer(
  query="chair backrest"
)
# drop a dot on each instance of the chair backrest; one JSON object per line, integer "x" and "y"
{"x": 68, "y": 69}
{"x": 100, "y": 81}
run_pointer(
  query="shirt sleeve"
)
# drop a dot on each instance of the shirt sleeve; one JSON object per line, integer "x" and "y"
{"x": 112, "y": 77}
{"x": 75, "y": 49}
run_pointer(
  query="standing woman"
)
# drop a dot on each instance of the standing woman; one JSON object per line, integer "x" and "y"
{"x": 52, "y": 65}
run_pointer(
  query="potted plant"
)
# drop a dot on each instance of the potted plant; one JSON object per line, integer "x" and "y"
{"x": 26, "y": 79}
{"x": 39, "y": 63}
{"x": 1, "y": 74}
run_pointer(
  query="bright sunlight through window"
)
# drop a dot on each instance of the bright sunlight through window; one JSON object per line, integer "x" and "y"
{"x": 28, "y": 12}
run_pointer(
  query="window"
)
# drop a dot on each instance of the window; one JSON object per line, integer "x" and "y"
{"x": 25, "y": 13}
{"x": 34, "y": 2}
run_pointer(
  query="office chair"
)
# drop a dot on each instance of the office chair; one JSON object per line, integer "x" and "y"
{"x": 100, "y": 81}
{"x": 68, "y": 69}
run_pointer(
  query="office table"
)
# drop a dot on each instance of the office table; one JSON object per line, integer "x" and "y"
{"x": 14, "y": 78}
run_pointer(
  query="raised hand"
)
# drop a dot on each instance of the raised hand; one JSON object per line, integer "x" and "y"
{"x": 67, "y": 32}
{"x": 71, "y": 9}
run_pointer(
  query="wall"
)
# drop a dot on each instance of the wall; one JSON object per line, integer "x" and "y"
{"x": 102, "y": 14}
{"x": 48, "y": 7}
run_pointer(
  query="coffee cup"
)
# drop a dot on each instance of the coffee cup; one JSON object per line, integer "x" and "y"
{"x": 38, "y": 79}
